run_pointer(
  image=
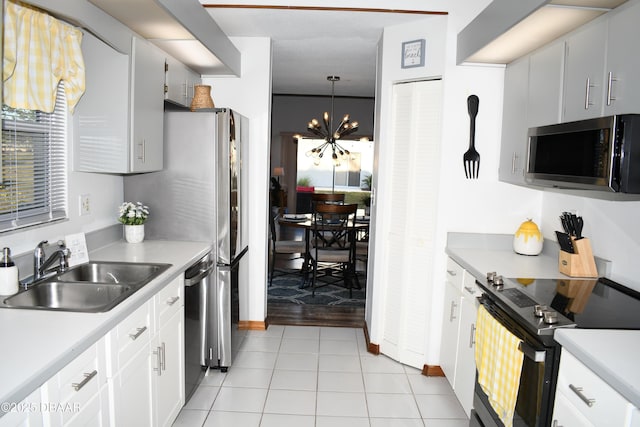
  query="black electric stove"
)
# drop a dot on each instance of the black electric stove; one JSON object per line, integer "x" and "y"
{"x": 581, "y": 303}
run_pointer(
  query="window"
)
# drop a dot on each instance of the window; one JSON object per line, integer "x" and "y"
{"x": 33, "y": 183}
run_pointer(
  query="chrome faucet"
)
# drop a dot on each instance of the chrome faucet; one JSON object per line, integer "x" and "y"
{"x": 40, "y": 266}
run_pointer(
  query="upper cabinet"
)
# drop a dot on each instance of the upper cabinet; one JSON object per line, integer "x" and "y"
{"x": 584, "y": 70}
{"x": 180, "y": 82}
{"x": 544, "y": 94}
{"x": 622, "y": 81}
{"x": 119, "y": 118}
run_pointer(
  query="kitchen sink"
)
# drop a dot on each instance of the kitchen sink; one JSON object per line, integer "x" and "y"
{"x": 93, "y": 287}
{"x": 69, "y": 296}
{"x": 113, "y": 272}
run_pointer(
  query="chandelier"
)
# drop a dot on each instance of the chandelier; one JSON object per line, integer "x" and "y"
{"x": 346, "y": 127}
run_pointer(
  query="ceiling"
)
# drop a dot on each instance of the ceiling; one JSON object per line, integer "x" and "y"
{"x": 309, "y": 45}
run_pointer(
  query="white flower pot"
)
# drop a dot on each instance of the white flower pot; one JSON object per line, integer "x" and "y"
{"x": 134, "y": 233}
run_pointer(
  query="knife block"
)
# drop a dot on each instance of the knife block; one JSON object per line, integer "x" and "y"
{"x": 579, "y": 264}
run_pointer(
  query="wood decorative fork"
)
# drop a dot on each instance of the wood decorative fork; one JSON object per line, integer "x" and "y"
{"x": 471, "y": 158}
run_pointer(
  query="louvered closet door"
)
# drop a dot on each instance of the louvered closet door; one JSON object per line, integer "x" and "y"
{"x": 411, "y": 206}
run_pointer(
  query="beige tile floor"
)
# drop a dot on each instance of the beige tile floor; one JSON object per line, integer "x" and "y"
{"x": 319, "y": 376}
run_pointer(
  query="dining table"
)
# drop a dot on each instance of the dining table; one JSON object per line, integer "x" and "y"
{"x": 306, "y": 222}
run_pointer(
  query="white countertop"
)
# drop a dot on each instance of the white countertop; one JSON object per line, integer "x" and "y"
{"x": 36, "y": 344}
{"x": 611, "y": 354}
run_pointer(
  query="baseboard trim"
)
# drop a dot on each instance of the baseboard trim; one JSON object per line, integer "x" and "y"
{"x": 252, "y": 325}
{"x": 371, "y": 348}
{"x": 432, "y": 371}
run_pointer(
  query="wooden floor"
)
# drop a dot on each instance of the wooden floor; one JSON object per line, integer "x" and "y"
{"x": 310, "y": 315}
{"x": 314, "y": 315}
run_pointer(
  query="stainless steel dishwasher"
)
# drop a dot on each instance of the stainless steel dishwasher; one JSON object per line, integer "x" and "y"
{"x": 197, "y": 282}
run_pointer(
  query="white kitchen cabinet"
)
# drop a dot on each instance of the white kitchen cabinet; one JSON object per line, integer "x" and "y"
{"x": 582, "y": 395}
{"x": 457, "y": 358}
{"x": 544, "y": 99}
{"x": 169, "y": 350}
{"x": 450, "y": 330}
{"x": 465, "y": 362}
{"x": 119, "y": 119}
{"x": 179, "y": 82}
{"x": 148, "y": 361}
{"x": 622, "y": 85}
{"x": 584, "y": 68}
{"x": 514, "y": 123}
{"x": 79, "y": 391}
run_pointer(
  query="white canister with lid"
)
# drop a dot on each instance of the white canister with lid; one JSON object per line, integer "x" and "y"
{"x": 8, "y": 274}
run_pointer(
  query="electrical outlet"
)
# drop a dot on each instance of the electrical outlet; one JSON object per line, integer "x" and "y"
{"x": 85, "y": 205}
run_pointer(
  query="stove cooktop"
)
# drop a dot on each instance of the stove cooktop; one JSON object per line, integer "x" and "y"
{"x": 580, "y": 303}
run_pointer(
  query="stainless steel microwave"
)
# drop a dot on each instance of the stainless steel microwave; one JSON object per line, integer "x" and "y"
{"x": 594, "y": 154}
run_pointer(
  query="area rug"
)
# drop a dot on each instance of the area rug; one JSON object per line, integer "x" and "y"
{"x": 286, "y": 289}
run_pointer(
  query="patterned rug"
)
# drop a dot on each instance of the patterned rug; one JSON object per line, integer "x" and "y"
{"x": 286, "y": 289}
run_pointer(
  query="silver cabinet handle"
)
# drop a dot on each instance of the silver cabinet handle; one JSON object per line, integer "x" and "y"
{"x": 158, "y": 353}
{"x": 139, "y": 331}
{"x": 610, "y": 81}
{"x": 87, "y": 378}
{"x": 172, "y": 300}
{"x": 470, "y": 290}
{"x": 514, "y": 162}
{"x": 451, "y": 272}
{"x": 472, "y": 337}
{"x": 452, "y": 313}
{"x": 587, "y": 94}
{"x": 585, "y": 399}
{"x": 163, "y": 357}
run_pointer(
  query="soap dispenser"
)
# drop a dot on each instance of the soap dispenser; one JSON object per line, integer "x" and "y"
{"x": 8, "y": 274}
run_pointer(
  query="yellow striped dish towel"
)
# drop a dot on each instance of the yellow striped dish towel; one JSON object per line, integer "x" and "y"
{"x": 499, "y": 363}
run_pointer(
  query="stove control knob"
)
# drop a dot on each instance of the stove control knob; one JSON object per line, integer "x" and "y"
{"x": 538, "y": 310}
{"x": 550, "y": 317}
{"x": 490, "y": 276}
{"x": 497, "y": 281}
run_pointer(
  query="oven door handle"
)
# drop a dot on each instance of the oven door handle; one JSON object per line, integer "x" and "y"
{"x": 531, "y": 353}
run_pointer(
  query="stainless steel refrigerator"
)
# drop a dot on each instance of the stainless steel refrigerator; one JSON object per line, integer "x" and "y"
{"x": 199, "y": 196}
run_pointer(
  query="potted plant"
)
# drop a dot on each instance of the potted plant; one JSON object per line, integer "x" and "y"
{"x": 133, "y": 216}
{"x": 304, "y": 185}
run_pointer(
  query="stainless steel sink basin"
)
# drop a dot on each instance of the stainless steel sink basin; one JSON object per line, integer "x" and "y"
{"x": 113, "y": 272}
{"x": 69, "y": 296}
{"x": 94, "y": 287}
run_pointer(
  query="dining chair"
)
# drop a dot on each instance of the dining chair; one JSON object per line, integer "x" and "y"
{"x": 337, "y": 254}
{"x": 335, "y": 198}
{"x": 279, "y": 247}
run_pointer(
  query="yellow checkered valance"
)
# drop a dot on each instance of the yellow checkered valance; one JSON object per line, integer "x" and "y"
{"x": 39, "y": 51}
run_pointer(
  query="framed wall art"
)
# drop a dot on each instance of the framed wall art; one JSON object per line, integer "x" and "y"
{"x": 413, "y": 53}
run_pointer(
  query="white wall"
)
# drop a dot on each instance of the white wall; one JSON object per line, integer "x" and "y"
{"x": 250, "y": 95}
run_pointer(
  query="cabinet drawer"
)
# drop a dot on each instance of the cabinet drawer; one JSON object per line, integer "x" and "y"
{"x": 460, "y": 278}
{"x": 169, "y": 300}
{"x": 594, "y": 398}
{"x": 566, "y": 415}
{"x": 131, "y": 335}
{"x": 76, "y": 384}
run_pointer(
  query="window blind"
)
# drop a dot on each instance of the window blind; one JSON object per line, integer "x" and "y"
{"x": 33, "y": 187}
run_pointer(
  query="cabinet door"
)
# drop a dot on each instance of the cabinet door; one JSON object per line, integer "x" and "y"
{"x": 177, "y": 84}
{"x": 622, "y": 86}
{"x": 565, "y": 414}
{"x": 131, "y": 391}
{"x": 147, "y": 99}
{"x": 466, "y": 364}
{"x": 170, "y": 376}
{"x": 584, "y": 71}
{"x": 514, "y": 122}
{"x": 27, "y": 413}
{"x": 450, "y": 326}
{"x": 545, "y": 85}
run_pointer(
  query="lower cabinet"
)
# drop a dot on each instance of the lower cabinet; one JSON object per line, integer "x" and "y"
{"x": 584, "y": 399}
{"x": 133, "y": 376}
{"x": 457, "y": 357}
